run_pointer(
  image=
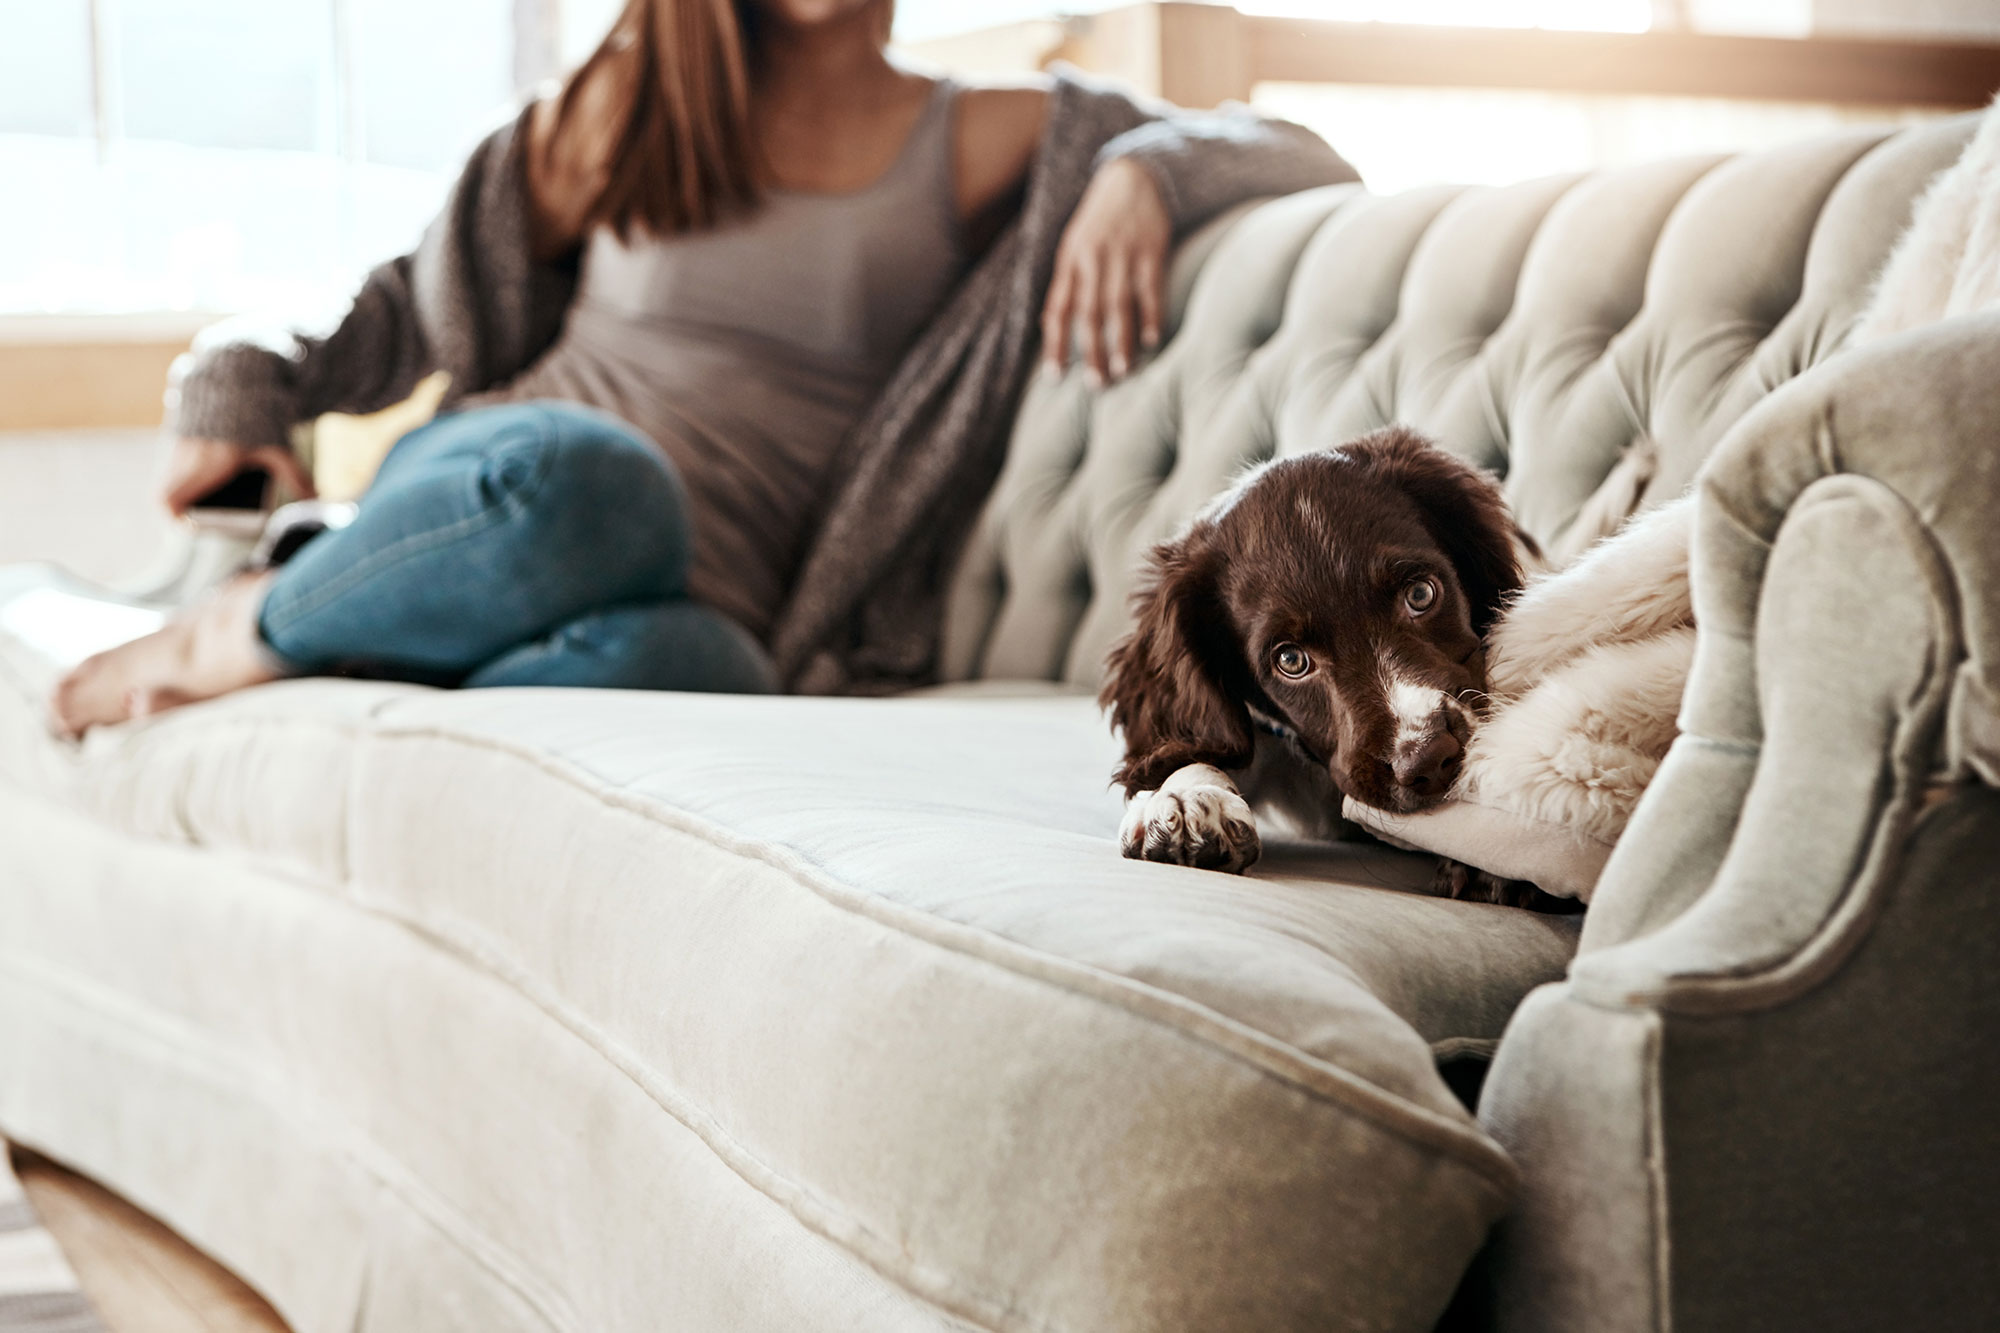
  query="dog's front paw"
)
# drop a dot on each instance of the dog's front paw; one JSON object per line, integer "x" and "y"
{"x": 1210, "y": 828}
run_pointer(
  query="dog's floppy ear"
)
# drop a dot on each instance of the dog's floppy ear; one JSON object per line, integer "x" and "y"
{"x": 1169, "y": 682}
{"x": 1464, "y": 512}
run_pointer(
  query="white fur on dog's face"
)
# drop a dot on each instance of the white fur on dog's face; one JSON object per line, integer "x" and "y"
{"x": 1417, "y": 708}
{"x": 1289, "y": 595}
{"x": 1425, "y": 717}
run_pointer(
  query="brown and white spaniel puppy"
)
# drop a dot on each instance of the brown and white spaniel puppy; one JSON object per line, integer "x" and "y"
{"x": 1318, "y": 631}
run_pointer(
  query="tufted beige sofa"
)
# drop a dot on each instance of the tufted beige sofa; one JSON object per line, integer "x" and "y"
{"x": 522, "y": 1010}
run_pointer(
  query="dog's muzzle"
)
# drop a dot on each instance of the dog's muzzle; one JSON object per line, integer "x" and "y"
{"x": 1427, "y": 759}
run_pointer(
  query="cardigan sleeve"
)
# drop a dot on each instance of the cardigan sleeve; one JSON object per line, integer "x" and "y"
{"x": 1205, "y": 161}
{"x": 470, "y": 299}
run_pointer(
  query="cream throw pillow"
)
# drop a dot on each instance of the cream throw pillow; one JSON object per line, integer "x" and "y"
{"x": 346, "y": 451}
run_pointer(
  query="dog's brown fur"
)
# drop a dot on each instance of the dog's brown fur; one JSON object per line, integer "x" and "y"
{"x": 1319, "y": 555}
{"x": 1317, "y": 552}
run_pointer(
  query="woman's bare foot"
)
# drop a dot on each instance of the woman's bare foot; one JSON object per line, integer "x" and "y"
{"x": 211, "y": 650}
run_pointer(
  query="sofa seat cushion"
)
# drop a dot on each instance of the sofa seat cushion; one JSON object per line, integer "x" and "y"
{"x": 882, "y": 956}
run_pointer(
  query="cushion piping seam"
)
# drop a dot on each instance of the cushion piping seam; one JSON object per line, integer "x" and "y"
{"x": 1286, "y": 1063}
{"x": 1323, "y": 1081}
{"x": 1326, "y": 1084}
{"x": 500, "y": 1259}
{"x": 837, "y": 1225}
{"x": 922, "y": 1282}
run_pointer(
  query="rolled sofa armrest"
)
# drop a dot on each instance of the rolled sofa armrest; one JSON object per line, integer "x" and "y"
{"x": 1762, "y": 1098}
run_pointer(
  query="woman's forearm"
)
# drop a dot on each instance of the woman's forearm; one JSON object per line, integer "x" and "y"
{"x": 250, "y": 387}
{"x": 1206, "y": 161}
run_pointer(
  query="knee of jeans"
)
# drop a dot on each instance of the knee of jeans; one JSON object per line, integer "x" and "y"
{"x": 573, "y": 452}
{"x": 584, "y": 470}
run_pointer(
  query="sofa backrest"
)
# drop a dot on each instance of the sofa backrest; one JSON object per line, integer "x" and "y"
{"x": 1544, "y": 330}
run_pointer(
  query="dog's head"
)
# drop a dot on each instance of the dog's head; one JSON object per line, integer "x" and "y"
{"x": 1341, "y": 596}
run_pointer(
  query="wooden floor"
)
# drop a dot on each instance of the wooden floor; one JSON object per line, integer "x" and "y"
{"x": 141, "y": 1277}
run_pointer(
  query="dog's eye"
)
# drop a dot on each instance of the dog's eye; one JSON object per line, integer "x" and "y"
{"x": 1291, "y": 660}
{"x": 1420, "y": 596}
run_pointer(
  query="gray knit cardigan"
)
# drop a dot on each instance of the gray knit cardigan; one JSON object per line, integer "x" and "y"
{"x": 865, "y": 605}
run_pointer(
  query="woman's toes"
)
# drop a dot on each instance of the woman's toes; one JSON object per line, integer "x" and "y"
{"x": 62, "y": 709}
{"x": 71, "y": 702}
{"x": 93, "y": 694}
{"x": 210, "y": 651}
{"x": 148, "y": 700}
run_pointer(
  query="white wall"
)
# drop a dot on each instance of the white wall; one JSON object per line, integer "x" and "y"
{"x": 84, "y": 499}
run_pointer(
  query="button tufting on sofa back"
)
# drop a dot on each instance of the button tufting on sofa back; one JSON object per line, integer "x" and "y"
{"x": 1541, "y": 330}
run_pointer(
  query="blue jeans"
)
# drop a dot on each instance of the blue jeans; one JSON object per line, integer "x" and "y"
{"x": 530, "y": 544}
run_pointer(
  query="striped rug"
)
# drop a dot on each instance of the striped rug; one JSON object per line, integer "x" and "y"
{"x": 38, "y": 1292}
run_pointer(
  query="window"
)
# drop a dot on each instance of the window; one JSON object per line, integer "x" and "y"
{"x": 228, "y": 155}
{"x": 233, "y": 155}
{"x": 45, "y": 84}
{"x": 1402, "y": 137}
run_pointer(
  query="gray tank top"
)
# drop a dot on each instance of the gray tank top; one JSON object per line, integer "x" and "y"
{"x": 748, "y": 351}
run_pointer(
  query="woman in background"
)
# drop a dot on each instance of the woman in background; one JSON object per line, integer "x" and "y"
{"x": 712, "y": 391}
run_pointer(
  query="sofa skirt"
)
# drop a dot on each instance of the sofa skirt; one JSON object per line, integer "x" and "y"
{"x": 228, "y": 1048}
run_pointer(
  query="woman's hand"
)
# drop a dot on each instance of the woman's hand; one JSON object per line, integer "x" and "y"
{"x": 1111, "y": 273}
{"x": 197, "y": 466}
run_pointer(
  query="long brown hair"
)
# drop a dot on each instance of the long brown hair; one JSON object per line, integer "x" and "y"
{"x": 654, "y": 128}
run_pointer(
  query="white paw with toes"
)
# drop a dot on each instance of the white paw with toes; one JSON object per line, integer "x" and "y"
{"x": 1209, "y": 827}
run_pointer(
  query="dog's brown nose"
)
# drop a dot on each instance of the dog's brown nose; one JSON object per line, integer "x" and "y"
{"x": 1429, "y": 767}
